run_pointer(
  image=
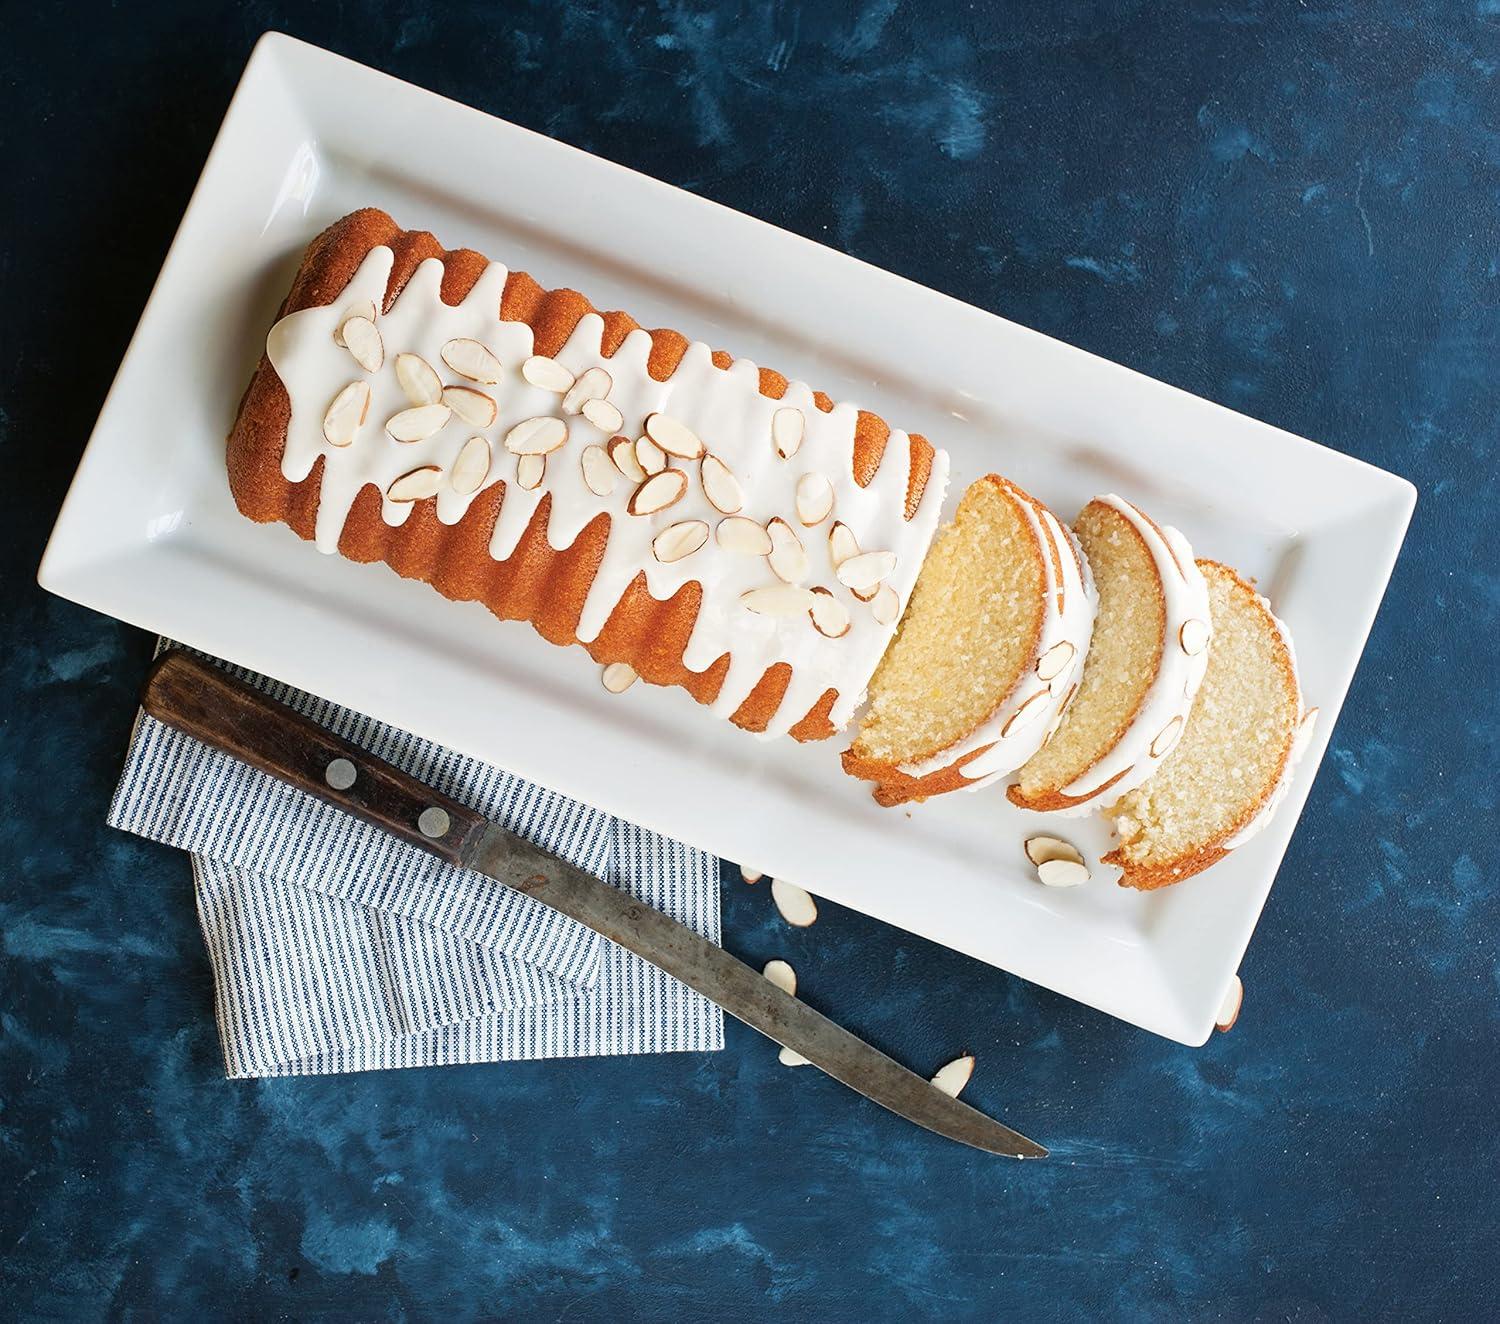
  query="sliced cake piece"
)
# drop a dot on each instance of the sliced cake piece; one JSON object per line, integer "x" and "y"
{"x": 1144, "y": 666}
{"x": 1231, "y": 767}
{"x": 987, "y": 655}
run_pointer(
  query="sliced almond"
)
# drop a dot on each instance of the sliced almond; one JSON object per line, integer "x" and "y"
{"x": 1062, "y": 873}
{"x": 622, "y": 452}
{"x": 790, "y": 1057}
{"x": 475, "y": 407}
{"x": 787, "y": 427}
{"x": 417, "y": 485}
{"x": 1194, "y": 636}
{"x": 743, "y": 535}
{"x": 346, "y": 415}
{"x": 619, "y": 677}
{"x": 679, "y": 540}
{"x": 472, "y": 466}
{"x": 1166, "y": 737}
{"x": 418, "y": 379}
{"x": 1229, "y": 1009}
{"x": 1029, "y": 711}
{"x": 1305, "y": 728}
{"x": 536, "y": 436}
{"x": 419, "y": 423}
{"x": 842, "y": 544}
{"x": 778, "y": 600}
{"x": 885, "y": 606}
{"x": 530, "y": 470}
{"x": 720, "y": 486}
{"x": 591, "y": 384}
{"x": 650, "y": 456}
{"x": 952, "y": 1078}
{"x": 1055, "y": 661}
{"x": 864, "y": 572}
{"x": 751, "y": 876}
{"x": 814, "y": 498}
{"x": 362, "y": 339}
{"x": 658, "y": 492}
{"x": 603, "y": 415}
{"x": 782, "y": 975}
{"x": 366, "y": 309}
{"x": 796, "y": 906}
{"x": 788, "y": 558}
{"x": 548, "y": 374}
{"x": 599, "y": 471}
{"x": 1041, "y": 849}
{"x": 829, "y": 616}
{"x": 471, "y": 359}
{"x": 673, "y": 436}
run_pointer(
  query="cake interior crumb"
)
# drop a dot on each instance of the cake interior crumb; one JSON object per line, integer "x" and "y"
{"x": 969, "y": 630}
{"x": 1123, "y": 656}
{"x": 1234, "y": 746}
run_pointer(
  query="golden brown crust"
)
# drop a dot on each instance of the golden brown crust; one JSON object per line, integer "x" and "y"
{"x": 1149, "y": 877}
{"x": 536, "y": 583}
{"x": 894, "y": 787}
{"x": 1046, "y": 801}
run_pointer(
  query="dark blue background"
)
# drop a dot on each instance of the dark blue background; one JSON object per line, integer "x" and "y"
{"x": 1288, "y": 207}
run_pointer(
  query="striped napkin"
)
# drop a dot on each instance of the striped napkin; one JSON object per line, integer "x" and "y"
{"x": 336, "y": 947}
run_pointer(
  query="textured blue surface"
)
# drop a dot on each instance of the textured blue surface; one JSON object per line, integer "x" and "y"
{"x": 1290, "y": 208}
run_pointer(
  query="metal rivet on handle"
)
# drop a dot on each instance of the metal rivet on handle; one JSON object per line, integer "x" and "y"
{"x": 340, "y": 774}
{"x": 434, "y": 822}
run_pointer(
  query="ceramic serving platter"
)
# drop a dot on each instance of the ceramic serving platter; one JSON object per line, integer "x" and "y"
{"x": 149, "y": 533}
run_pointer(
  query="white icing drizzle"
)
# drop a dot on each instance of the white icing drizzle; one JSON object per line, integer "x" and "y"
{"x": 1170, "y": 695}
{"x": 1068, "y": 618}
{"x": 1300, "y": 741}
{"x": 724, "y": 408}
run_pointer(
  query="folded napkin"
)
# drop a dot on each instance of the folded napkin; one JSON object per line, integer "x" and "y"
{"x": 336, "y": 947}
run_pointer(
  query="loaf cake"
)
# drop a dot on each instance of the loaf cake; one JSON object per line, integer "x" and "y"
{"x": 1232, "y": 766}
{"x": 697, "y": 521}
{"x": 1145, "y": 663}
{"x": 988, "y": 655}
{"x": 683, "y": 515}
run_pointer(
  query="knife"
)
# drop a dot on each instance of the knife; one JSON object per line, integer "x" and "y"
{"x": 199, "y": 699}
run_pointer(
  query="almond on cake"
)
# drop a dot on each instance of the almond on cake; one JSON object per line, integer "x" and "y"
{"x": 613, "y": 486}
{"x": 1231, "y": 766}
{"x": 1145, "y": 664}
{"x": 987, "y": 655}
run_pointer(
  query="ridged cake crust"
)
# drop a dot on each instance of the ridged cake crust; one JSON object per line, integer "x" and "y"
{"x": 536, "y": 583}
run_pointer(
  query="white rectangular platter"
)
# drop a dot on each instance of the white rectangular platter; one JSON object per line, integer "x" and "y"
{"x": 149, "y": 533}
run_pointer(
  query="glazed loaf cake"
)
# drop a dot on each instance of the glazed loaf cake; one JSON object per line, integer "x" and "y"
{"x": 685, "y": 516}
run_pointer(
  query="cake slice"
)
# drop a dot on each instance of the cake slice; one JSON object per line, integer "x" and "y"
{"x": 1146, "y": 661}
{"x": 987, "y": 655}
{"x": 1232, "y": 766}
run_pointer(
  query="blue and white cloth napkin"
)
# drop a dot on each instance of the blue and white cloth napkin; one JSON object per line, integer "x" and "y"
{"x": 336, "y": 947}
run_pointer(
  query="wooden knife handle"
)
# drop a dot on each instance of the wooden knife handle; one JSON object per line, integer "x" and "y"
{"x": 210, "y": 705}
